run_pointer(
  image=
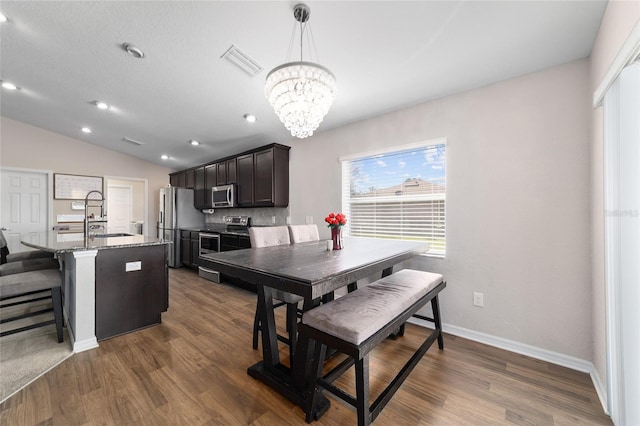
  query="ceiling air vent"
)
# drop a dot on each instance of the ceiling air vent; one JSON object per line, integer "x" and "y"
{"x": 242, "y": 61}
{"x": 135, "y": 142}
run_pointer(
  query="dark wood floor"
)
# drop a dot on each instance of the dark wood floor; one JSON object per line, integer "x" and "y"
{"x": 191, "y": 370}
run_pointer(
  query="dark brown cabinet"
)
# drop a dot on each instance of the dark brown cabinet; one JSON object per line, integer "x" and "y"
{"x": 189, "y": 248}
{"x": 189, "y": 179}
{"x": 261, "y": 176}
{"x": 231, "y": 171}
{"x": 245, "y": 180}
{"x": 221, "y": 173}
{"x": 132, "y": 289}
{"x": 210, "y": 180}
{"x": 199, "y": 188}
{"x": 177, "y": 179}
{"x": 230, "y": 242}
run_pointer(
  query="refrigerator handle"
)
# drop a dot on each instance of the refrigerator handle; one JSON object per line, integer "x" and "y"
{"x": 161, "y": 221}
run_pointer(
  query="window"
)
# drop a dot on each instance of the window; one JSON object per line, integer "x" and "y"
{"x": 397, "y": 194}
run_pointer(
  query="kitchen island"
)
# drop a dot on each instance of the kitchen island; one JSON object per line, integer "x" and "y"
{"x": 111, "y": 285}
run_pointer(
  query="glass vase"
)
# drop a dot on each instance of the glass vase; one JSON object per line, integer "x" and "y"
{"x": 336, "y": 236}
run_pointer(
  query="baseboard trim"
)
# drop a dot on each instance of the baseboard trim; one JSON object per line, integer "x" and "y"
{"x": 528, "y": 350}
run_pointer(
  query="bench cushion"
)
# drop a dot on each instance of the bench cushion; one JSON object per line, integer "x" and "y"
{"x": 27, "y": 255}
{"x": 16, "y": 284}
{"x": 359, "y": 315}
{"x": 28, "y": 266}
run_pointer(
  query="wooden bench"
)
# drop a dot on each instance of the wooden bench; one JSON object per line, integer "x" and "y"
{"x": 357, "y": 322}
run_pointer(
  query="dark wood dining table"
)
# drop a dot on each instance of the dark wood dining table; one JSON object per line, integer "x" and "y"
{"x": 311, "y": 271}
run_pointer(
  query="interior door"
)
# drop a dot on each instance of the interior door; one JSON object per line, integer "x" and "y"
{"x": 119, "y": 214}
{"x": 25, "y": 207}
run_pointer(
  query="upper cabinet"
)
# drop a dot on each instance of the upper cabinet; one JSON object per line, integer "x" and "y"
{"x": 245, "y": 180}
{"x": 200, "y": 188}
{"x": 261, "y": 176}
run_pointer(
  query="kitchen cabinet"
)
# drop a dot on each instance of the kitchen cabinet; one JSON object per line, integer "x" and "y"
{"x": 185, "y": 248}
{"x": 131, "y": 289}
{"x": 231, "y": 171}
{"x": 245, "y": 180}
{"x": 189, "y": 179}
{"x": 230, "y": 242}
{"x": 177, "y": 179}
{"x": 221, "y": 175}
{"x": 199, "y": 188}
{"x": 261, "y": 176}
{"x": 210, "y": 180}
{"x": 189, "y": 248}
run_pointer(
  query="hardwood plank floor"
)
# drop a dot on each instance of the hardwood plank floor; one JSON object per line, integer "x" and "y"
{"x": 191, "y": 370}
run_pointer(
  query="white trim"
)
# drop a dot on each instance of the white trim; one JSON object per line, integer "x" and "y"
{"x": 626, "y": 55}
{"x": 415, "y": 145}
{"x": 527, "y": 350}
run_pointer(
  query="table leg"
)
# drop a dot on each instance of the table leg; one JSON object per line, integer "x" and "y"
{"x": 270, "y": 354}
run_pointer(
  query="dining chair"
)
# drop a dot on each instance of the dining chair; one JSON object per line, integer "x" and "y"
{"x": 303, "y": 233}
{"x": 266, "y": 237}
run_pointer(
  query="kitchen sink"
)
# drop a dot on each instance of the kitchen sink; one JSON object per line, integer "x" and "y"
{"x": 120, "y": 234}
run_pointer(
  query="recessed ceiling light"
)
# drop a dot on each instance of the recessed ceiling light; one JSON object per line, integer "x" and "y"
{"x": 86, "y": 130}
{"x": 133, "y": 51}
{"x": 102, "y": 105}
{"x": 3, "y": 18}
{"x": 194, "y": 142}
{"x": 9, "y": 86}
{"x": 164, "y": 157}
{"x": 250, "y": 118}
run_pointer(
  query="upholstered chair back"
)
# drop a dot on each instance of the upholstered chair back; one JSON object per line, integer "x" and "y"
{"x": 268, "y": 236}
{"x": 303, "y": 233}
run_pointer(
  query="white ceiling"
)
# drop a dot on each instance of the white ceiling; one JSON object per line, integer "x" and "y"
{"x": 385, "y": 54}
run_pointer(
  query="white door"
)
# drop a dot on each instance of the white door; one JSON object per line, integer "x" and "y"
{"x": 119, "y": 204}
{"x": 25, "y": 207}
{"x": 622, "y": 174}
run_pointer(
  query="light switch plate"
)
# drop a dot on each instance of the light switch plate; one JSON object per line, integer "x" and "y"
{"x": 133, "y": 266}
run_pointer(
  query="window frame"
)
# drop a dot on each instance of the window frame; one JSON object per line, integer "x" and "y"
{"x": 346, "y": 196}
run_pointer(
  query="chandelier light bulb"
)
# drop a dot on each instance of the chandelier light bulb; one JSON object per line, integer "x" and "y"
{"x": 301, "y": 93}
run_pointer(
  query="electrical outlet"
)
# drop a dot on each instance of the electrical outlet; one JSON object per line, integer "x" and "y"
{"x": 273, "y": 220}
{"x": 309, "y": 220}
{"x": 288, "y": 220}
{"x": 478, "y": 299}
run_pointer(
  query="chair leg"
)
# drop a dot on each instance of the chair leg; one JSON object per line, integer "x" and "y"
{"x": 435, "y": 307}
{"x": 56, "y": 298}
{"x": 256, "y": 327}
{"x": 362, "y": 391}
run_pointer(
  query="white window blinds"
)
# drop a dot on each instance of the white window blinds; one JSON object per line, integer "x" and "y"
{"x": 397, "y": 195}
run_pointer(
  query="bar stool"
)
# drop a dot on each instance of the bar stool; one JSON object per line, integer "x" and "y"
{"x": 22, "y": 284}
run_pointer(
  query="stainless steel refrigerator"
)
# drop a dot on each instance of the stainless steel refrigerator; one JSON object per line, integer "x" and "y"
{"x": 176, "y": 212}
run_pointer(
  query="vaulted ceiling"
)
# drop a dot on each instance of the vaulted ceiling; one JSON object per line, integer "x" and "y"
{"x": 64, "y": 55}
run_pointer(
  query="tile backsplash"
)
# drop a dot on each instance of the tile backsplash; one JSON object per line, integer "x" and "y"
{"x": 263, "y": 216}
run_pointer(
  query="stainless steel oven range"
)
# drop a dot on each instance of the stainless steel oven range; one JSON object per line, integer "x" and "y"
{"x": 209, "y": 243}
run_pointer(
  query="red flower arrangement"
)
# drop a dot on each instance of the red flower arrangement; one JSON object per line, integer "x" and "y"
{"x": 336, "y": 220}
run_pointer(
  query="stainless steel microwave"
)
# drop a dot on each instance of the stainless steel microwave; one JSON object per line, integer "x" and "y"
{"x": 223, "y": 196}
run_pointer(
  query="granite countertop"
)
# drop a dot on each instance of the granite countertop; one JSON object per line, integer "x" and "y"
{"x": 61, "y": 242}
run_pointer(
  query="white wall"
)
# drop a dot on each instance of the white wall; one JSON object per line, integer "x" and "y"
{"x": 26, "y": 146}
{"x": 518, "y": 222}
{"x": 619, "y": 19}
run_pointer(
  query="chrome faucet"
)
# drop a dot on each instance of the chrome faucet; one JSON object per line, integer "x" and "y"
{"x": 100, "y": 224}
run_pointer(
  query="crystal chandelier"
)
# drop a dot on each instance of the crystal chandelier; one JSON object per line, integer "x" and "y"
{"x": 301, "y": 93}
